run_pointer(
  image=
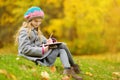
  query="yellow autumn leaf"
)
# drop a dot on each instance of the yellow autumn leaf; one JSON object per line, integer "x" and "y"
{"x": 52, "y": 69}
{"x": 17, "y": 58}
{"x": 8, "y": 75}
{"x": 116, "y": 74}
{"x": 2, "y": 71}
{"x": 89, "y": 73}
{"x": 12, "y": 77}
{"x": 45, "y": 75}
{"x": 66, "y": 78}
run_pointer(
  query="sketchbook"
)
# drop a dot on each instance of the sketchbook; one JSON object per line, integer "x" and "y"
{"x": 52, "y": 44}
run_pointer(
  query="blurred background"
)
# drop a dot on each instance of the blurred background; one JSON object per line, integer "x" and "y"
{"x": 87, "y": 26}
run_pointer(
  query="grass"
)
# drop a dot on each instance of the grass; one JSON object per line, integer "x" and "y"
{"x": 94, "y": 67}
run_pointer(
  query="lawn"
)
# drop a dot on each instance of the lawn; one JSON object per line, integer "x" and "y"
{"x": 94, "y": 67}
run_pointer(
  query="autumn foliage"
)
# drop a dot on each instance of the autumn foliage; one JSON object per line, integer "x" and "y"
{"x": 87, "y": 26}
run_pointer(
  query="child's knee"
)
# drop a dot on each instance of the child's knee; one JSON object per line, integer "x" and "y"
{"x": 62, "y": 46}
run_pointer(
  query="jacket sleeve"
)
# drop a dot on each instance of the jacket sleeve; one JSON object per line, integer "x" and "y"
{"x": 25, "y": 47}
{"x": 44, "y": 39}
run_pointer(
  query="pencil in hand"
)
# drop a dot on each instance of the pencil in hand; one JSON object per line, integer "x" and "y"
{"x": 50, "y": 35}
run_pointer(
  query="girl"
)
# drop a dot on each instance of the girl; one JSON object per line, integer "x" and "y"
{"x": 30, "y": 39}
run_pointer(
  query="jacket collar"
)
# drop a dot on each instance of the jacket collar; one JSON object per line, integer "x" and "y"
{"x": 34, "y": 30}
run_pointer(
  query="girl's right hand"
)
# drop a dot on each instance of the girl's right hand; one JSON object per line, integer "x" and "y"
{"x": 46, "y": 48}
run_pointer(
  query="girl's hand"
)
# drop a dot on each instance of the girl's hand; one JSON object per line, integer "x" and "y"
{"x": 49, "y": 41}
{"x": 54, "y": 40}
{"x": 46, "y": 48}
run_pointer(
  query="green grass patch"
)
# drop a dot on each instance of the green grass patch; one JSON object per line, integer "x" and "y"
{"x": 97, "y": 67}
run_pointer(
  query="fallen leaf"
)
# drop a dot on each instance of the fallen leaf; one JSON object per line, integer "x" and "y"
{"x": 4, "y": 72}
{"x": 116, "y": 74}
{"x": 12, "y": 77}
{"x": 17, "y": 58}
{"x": 89, "y": 74}
{"x": 66, "y": 78}
{"x": 52, "y": 69}
{"x": 9, "y": 76}
{"x": 45, "y": 75}
{"x": 114, "y": 78}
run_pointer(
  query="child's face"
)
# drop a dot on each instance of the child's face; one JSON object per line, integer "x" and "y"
{"x": 36, "y": 22}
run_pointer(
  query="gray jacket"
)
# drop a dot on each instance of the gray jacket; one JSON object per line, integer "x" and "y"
{"x": 29, "y": 47}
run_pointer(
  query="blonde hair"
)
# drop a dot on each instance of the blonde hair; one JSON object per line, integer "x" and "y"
{"x": 29, "y": 26}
